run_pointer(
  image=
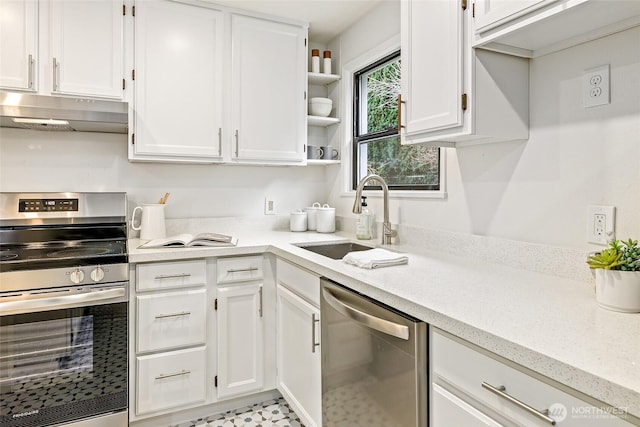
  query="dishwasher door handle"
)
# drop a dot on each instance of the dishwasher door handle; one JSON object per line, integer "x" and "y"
{"x": 373, "y": 322}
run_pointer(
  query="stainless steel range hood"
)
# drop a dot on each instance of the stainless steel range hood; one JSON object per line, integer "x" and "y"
{"x": 56, "y": 113}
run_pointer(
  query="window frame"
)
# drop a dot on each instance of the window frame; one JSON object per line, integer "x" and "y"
{"x": 358, "y": 139}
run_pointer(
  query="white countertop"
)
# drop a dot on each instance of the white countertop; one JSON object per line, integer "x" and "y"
{"x": 549, "y": 324}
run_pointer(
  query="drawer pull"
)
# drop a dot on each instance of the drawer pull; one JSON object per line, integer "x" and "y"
{"x": 172, "y": 276}
{"x": 500, "y": 391}
{"x": 175, "y": 374}
{"x": 164, "y": 316}
{"x": 240, "y": 270}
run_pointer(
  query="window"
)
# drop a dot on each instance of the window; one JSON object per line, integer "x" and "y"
{"x": 377, "y": 147}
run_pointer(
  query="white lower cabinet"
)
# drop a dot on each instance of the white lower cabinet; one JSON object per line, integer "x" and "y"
{"x": 240, "y": 350}
{"x": 470, "y": 386}
{"x": 169, "y": 380}
{"x": 298, "y": 342}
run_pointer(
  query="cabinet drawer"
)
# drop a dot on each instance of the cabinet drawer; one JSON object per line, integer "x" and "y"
{"x": 461, "y": 367}
{"x": 167, "y": 275}
{"x": 169, "y": 380}
{"x": 171, "y": 319}
{"x": 239, "y": 269}
{"x": 299, "y": 281}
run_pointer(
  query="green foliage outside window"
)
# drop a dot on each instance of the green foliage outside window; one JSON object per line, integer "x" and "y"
{"x": 399, "y": 165}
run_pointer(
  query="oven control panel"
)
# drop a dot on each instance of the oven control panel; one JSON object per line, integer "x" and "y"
{"x": 48, "y": 205}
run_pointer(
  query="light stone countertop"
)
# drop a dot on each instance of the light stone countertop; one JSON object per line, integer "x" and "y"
{"x": 549, "y": 324}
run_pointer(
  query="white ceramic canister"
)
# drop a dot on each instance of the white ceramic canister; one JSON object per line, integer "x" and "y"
{"x": 312, "y": 216}
{"x": 298, "y": 221}
{"x": 326, "y": 219}
{"x": 151, "y": 221}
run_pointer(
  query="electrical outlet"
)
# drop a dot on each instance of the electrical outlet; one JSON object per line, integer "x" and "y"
{"x": 601, "y": 224}
{"x": 269, "y": 206}
{"x": 595, "y": 86}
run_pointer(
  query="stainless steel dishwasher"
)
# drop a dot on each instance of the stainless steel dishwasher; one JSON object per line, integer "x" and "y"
{"x": 374, "y": 362}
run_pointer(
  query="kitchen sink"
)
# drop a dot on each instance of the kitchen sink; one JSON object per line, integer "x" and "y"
{"x": 335, "y": 250}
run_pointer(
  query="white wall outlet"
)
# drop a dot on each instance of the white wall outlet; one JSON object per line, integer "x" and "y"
{"x": 601, "y": 222}
{"x": 595, "y": 86}
{"x": 269, "y": 206}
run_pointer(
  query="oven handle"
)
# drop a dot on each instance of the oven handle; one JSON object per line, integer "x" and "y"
{"x": 373, "y": 322}
{"x": 59, "y": 302}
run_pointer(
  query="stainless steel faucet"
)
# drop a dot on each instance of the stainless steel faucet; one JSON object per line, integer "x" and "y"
{"x": 387, "y": 232}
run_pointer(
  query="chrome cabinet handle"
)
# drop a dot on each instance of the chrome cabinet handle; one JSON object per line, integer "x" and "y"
{"x": 501, "y": 391}
{"x": 400, "y": 102}
{"x": 55, "y": 74}
{"x": 175, "y": 374}
{"x": 164, "y": 316}
{"x": 314, "y": 344}
{"x": 72, "y": 299}
{"x": 30, "y": 71}
{"x": 373, "y": 322}
{"x": 172, "y": 276}
{"x": 260, "y": 307}
{"x": 236, "y": 142}
{"x": 240, "y": 270}
{"x": 219, "y": 141}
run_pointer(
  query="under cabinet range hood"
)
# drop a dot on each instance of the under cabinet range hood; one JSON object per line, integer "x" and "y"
{"x": 56, "y": 113}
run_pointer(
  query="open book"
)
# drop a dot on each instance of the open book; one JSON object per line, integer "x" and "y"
{"x": 187, "y": 240}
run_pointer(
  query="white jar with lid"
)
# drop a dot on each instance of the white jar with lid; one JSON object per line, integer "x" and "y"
{"x": 312, "y": 216}
{"x": 315, "y": 60}
{"x": 326, "y": 62}
{"x": 326, "y": 219}
{"x": 298, "y": 221}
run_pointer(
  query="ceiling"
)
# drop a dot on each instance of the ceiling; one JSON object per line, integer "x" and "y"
{"x": 326, "y": 18}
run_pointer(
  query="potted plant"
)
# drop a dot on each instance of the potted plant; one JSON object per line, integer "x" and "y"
{"x": 617, "y": 270}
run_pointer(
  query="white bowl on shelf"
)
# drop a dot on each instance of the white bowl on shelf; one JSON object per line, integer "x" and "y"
{"x": 320, "y": 107}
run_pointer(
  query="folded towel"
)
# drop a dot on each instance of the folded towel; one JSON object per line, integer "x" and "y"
{"x": 375, "y": 258}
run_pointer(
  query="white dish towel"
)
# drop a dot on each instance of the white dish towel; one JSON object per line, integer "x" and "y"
{"x": 375, "y": 258}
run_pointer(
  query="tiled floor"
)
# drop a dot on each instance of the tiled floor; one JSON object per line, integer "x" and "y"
{"x": 266, "y": 414}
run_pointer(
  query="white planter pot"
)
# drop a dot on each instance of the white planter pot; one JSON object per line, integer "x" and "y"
{"x": 618, "y": 290}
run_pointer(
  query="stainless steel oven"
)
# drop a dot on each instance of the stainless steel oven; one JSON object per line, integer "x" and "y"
{"x": 63, "y": 309}
{"x": 374, "y": 362}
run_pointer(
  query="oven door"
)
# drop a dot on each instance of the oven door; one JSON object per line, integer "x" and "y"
{"x": 63, "y": 355}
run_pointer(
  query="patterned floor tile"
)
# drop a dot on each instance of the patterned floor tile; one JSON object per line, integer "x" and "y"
{"x": 271, "y": 413}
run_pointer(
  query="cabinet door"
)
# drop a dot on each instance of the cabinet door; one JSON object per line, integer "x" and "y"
{"x": 19, "y": 35}
{"x": 488, "y": 13}
{"x": 87, "y": 47}
{"x": 268, "y": 82}
{"x": 178, "y": 80}
{"x": 432, "y": 63}
{"x": 298, "y": 349}
{"x": 449, "y": 410}
{"x": 240, "y": 339}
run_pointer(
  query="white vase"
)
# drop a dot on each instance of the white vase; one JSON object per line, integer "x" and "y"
{"x": 618, "y": 290}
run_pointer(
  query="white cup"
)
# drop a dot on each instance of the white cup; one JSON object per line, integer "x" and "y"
{"x": 151, "y": 221}
{"x": 326, "y": 219}
{"x": 298, "y": 221}
{"x": 312, "y": 215}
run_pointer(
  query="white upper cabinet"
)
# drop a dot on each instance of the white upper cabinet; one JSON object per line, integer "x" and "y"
{"x": 531, "y": 28}
{"x": 455, "y": 95}
{"x": 490, "y": 12}
{"x": 19, "y": 35}
{"x": 87, "y": 47}
{"x": 178, "y": 83}
{"x": 431, "y": 31}
{"x": 80, "y": 53}
{"x": 268, "y": 83}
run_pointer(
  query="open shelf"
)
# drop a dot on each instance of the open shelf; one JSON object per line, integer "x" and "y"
{"x": 322, "y": 79}
{"x": 322, "y": 121}
{"x": 322, "y": 162}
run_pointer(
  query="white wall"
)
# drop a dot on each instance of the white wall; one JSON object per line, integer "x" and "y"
{"x": 80, "y": 161}
{"x": 536, "y": 191}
